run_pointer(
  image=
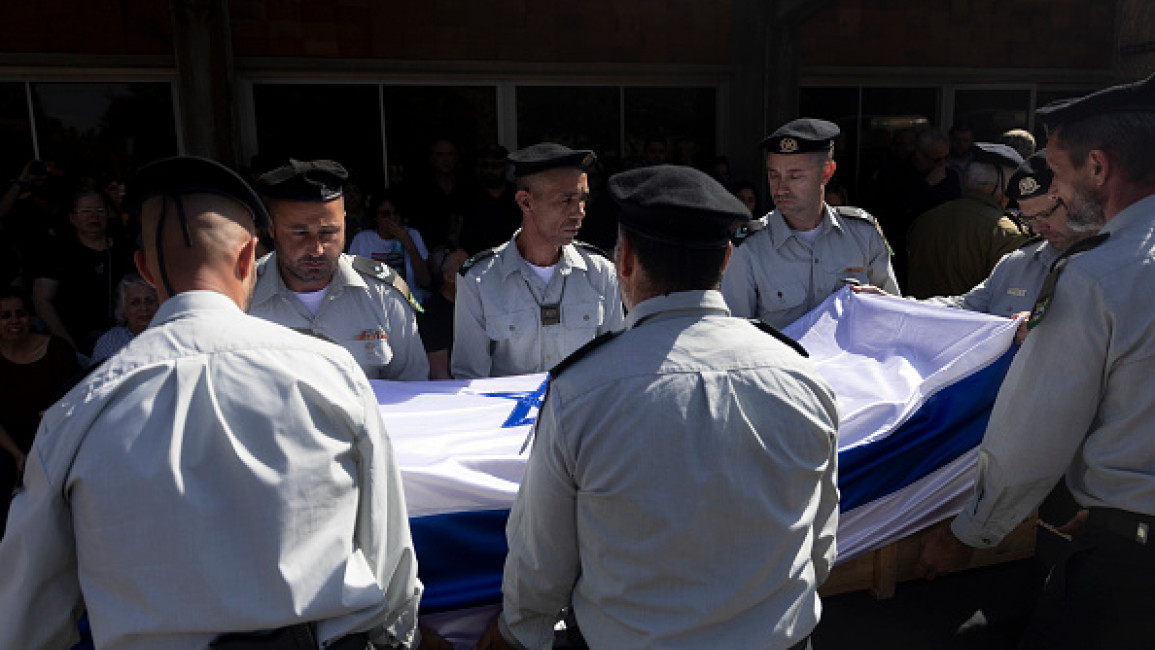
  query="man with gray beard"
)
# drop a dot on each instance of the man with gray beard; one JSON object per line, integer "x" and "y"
{"x": 1077, "y": 400}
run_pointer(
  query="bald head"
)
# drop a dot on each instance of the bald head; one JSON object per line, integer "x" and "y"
{"x": 218, "y": 255}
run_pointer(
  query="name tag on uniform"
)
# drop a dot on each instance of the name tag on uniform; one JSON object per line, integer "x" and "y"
{"x": 1016, "y": 292}
{"x": 550, "y": 315}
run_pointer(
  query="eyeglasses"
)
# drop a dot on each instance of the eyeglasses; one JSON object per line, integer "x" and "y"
{"x": 1027, "y": 218}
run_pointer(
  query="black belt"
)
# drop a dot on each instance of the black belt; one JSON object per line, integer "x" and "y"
{"x": 1133, "y": 526}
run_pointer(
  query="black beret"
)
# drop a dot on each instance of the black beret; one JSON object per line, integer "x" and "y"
{"x": 548, "y": 155}
{"x": 182, "y": 175}
{"x": 997, "y": 154}
{"x": 1138, "y": 96}
{"x": 803, "y": 135}
{"x": 676, "y": 205}
{"x": 317, "y": 181}
{"x": 1031, "y": 179}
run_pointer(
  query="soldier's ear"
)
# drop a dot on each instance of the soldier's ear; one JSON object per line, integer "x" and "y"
{"x": 523, "y": 199}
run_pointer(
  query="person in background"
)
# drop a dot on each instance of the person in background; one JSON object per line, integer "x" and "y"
{"x": 136, "y": 304}
{"x": 395, "y": 243}
{"x": 1020, "y": 140}
{"x": 748, "y": 195}
{"x": 435, "y": 323}
{"x": 34, "y": 368}
{"x": 75, "y": 290}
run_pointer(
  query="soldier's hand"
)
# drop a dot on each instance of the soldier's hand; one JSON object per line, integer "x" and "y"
{"x": 1022, "y": 331}
{"x": 942, "y": 552}
{"x": 868, "y": 288}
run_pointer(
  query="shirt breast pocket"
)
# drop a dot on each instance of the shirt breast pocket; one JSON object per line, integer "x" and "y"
{"x": 782, "y": 297}
{"x": 512, "y": 325}
{"x": 583, "y": 316}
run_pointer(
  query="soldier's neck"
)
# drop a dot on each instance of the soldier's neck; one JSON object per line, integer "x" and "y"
{"x": 538, "y": 253}
{"x": 809, "y": 220}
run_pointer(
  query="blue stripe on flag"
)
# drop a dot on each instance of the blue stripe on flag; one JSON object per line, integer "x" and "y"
{"x": 458, "y": 575}
{"x": 947, "y": 425}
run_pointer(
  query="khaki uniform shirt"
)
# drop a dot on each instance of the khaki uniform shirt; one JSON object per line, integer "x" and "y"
{"x": 220, "y": 474}
{"x": 498, "y": 317}
{"x": 776, "y": 276}
{"x": 1012, "y": 287}
{"x": 956, "y": 245}
{"x": 366, "y": 316}
{"x": 1077, "y": 399}
{"x": 681, "y": 491}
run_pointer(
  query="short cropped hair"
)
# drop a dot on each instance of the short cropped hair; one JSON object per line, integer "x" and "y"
{"x": 670, "y": 267}
{"x": 1129, "y": 138}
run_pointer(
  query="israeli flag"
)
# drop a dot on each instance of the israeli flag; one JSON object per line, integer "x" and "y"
{"x": 915, "y": 384}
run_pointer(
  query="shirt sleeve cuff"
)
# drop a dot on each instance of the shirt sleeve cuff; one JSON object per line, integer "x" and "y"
{"x": 971, "y": 533}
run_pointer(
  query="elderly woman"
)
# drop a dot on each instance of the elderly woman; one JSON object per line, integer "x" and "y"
{"x": 34, "y": 369}
{"x": 136, "y": 304}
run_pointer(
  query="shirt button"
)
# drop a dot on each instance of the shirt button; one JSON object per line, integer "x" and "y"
{"x": 511, "y": 328}
{"x": 586, "y": 317}
{"x": 816, "y": 260}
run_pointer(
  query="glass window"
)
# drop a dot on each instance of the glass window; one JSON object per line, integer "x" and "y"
{"x": 96, "y": 128}
{"x": 684, "y": 118}
{"x": 990, "y": 113}
{"x": 339, "y": 122}
{"x": 838, "y": 105}
{"x": 582, "y": 117}
{"x": 417, "y": 115}
{"x": 15, "y": 129}
{"x": 888, "y": 117}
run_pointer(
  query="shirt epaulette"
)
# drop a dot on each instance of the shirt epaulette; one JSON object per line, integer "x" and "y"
{"x": 773, "y": 331}
{"x": 591, "y": 248}
{"x": 381, "y": 271}
{"x": 863, "y": 215}
{"x": 855, "y": 213}
{"x": 1031, "y": 242}
{"x": 581, "y": 352}
{"x": 747, "y": 229}
{"x": 468, "y": 264}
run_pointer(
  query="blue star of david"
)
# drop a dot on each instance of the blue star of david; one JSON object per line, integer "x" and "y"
{"x": 527, "y": 401}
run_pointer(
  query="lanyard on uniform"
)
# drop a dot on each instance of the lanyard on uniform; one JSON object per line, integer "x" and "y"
{"x": 1048, "y": 291}
{"x": 550, "y": 312}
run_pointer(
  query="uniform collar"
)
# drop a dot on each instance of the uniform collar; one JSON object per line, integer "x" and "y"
{"x": 344, "y": 276}
{"x": 1137, "y": 214}
{"x": 780, "y": 231}
{"x": 702, "y": 301}
{"x": 513, "y": 262}
{"x": 189, "y": 302}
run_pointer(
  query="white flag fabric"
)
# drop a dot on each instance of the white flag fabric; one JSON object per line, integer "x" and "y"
{"x": 914, "y": 383}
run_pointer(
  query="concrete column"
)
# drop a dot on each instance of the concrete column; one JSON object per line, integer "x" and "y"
{"x": 202, "y": 45}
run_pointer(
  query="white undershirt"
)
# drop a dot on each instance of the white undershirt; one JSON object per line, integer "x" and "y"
{"x": 543, "y": 272}
{"x": 808, "y": 236}
{"x": 312, "y": 299}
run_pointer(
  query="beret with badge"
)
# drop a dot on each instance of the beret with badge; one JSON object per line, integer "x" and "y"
{"x": 548, "y": 155}
{"x": 803, "y": 135}
{"x": 1031, "y": 179}
{"x": 1138, "y": 96}
{"x": 316, "y": 181}
{"x": 676, "y": 205}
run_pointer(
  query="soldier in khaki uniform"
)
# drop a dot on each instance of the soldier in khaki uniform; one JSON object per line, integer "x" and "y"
{"x": 804, "y": 250}
{"x": 526, "y": 305}
{"x": 310, "y": 286}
